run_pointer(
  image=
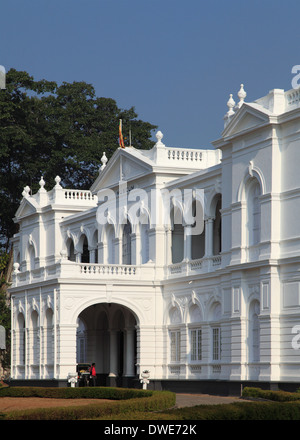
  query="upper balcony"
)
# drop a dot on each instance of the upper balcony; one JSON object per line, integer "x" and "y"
{"x": 200, "y": 266}
{"x": 72, "y": 271}
{"x": 102, "y": 273}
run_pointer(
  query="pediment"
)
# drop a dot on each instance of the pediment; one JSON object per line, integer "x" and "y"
{"x": 122, "y": 166}
{"x": 27, "y": 207}
{"x": 249, "y": 116}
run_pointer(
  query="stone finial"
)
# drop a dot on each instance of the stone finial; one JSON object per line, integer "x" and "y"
{"x": 230, "y": 113}
{"x": 159, "y": 137}
{"x": 64, "y": 254}
{"x": 104, "y": 161}
{"x": 26, "y": 191}
{"x": 57, "y": 181}
{"x": 242, "y": 95}
{"x": 16, "y": 267}
{"x": 42, "y": 184}
{"x": 230, "y": 105}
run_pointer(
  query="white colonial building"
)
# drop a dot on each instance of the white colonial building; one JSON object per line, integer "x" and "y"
{"x": 126, "y": 289}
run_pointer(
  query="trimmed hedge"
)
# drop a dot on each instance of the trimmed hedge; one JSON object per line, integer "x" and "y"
{"x": 125, "y": 401}
{"x": 239, "y": 411}
{"x": 277, "y": 396}
{"x": 75, "y": 393}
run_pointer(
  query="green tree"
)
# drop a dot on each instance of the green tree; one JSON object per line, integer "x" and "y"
{"x": 49, "y": 129}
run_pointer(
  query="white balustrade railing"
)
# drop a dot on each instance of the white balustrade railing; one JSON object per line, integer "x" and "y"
{"x": 293, "y": 98}
{"x": 73, "y": 194}
{"x": 109, "y": 269}
{"x": 194, "y": 267}
{"x": 181, "y": 154}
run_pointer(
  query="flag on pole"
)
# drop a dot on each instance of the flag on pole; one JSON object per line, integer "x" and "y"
{"x": 121, "y": 141}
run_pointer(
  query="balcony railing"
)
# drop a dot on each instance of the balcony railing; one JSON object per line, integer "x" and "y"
{"x": 109, "y": 270}
{"x": 66, "y": 269}
{"x": 194, "y": 267}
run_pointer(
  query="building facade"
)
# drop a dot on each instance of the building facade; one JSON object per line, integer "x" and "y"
{"x": 120, "y": 275}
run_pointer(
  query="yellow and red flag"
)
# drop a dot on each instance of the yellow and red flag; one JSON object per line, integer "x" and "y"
{"x": 121, "y": 141}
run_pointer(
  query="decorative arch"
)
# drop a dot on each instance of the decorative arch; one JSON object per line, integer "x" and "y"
{"x": 133, "y": 307}
{"x": 110, "y": 221}
{"x": 195, "y": 309}
{"x": 211, "y": 202}
{"x": 251, "y": 172}
{"x": 174, "y": 313}
{"x": 125, "y": 218}
{"x": 83, "y": 248}
{"x": 195, "y": 313}
{"x": 106, "y": 335}
{"x": 31, "y": 252}
{"x": 214, "y": 312}
{"x": 70, "y": 248}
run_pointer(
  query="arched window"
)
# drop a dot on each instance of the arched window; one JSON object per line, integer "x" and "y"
{"x": 253, "y": 212}
{"x": 215, "y": 316}
{"x": 71, "y": 250}
{"x": 95, "y": 243}
{"x": 196, "y": 344}
{"x": 126, "y": 244}
{"x": 85, "y": 256}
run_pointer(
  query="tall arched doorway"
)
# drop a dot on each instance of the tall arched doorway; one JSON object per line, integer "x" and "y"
{"x": 106, "y": 335}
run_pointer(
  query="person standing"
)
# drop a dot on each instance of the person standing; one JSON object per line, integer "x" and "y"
{"x": 93, "y": 374}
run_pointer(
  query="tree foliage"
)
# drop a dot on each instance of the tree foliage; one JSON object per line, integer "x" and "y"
{"x": 48, "y": 129}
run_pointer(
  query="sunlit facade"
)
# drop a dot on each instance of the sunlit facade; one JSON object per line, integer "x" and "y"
{"x": 133, "y": 292}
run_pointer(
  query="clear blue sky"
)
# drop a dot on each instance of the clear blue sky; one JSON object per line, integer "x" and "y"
{"x": 175, "y": 61}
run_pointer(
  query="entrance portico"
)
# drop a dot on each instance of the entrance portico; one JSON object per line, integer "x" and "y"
{"x": 106, "y": 335}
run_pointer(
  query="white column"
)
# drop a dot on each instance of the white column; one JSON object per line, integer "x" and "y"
{"x": 92, "y": 256}
{"x": 187, "y": 242}
{"x": 168, "y": 239}
{"x": 209, "y": 226}
{"x": 77, "y": 257}
{"x": 118, "y": 250}
{"x": 135, "y": 249}
{"x": 113, "y": 354}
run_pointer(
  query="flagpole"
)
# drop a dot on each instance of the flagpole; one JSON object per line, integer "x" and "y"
{"x": 121, "y": 141}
